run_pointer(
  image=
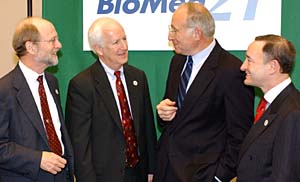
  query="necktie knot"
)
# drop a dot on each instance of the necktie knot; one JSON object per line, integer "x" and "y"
{"x": 40, "y": 79}
{"x": 190, "y": 61}
{"x": 260, "y": 109}
{"x": 117, "y": 74}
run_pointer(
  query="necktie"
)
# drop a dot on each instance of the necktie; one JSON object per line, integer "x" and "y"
{"x": 127, "y": 124}
{"x": 51, "y": 134}
{"x": 260, "y": 109}
{"x": 184, "y": 80}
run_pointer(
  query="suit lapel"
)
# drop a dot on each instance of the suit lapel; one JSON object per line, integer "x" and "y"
{"x": 55, "y": 94}
{"x": 27, "y": 102}
{"x": 133, "y": 87}
{"x": 174, "y": 82}
{"x": 104, "y": 89}
{"x": 257, "y": 129}
{"x": 266, "y": 120}
{"x": 53, "y": 87}
{"x": 201, "y": 82}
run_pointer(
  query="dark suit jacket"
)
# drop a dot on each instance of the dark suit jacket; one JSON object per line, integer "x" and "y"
{"x": 22, "y": 134}
{"x": 204, "y": 138}
{"x": 271, "y": 150}
{"x": 95, "y": 126}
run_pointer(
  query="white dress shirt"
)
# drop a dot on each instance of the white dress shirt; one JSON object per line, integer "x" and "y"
{"x": 112, "y": 80}
{"x": 275, "y": 91}
{"x": 31, "y": 78}
{"x": 198, "y": 60}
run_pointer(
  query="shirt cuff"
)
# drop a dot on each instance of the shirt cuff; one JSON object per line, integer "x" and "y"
{"x": 217, "y": 179}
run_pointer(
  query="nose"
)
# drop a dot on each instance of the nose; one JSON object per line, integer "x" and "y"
{"x": 171, "y": 36}
{"x": 58, "y": 44}
{"x": 244, "y": 65}
{"x": 124, "y": 44}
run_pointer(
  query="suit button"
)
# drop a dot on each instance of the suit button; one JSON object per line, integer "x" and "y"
{"x": 250, "y": 157}
{"x": 122, "y": 171}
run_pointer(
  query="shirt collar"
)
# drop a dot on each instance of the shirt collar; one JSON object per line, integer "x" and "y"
{"x": 110, "y": 71}
{"x": 202, "y": 55}
{"x": 275, "y": 91}
{"x": 29, "y": 74}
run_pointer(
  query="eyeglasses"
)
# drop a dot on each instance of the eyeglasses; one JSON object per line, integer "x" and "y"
{"x": 52, "y": 40}
{"x": 172, "y": 30}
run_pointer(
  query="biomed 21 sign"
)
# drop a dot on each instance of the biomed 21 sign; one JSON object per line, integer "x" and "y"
{"x": 146, "y": 22}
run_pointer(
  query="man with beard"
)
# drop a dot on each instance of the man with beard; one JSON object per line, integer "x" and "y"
{"x": 34, "y": 144}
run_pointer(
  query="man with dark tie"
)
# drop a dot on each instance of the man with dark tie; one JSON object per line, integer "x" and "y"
{"x": 207, "y": 110}
{"x": 34, "y": 143}
{"x": 270, "y": 151}
{"x": 109, "y": 113}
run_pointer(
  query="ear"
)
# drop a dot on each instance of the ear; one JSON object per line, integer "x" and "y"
{"x": 274, "y": 66}
{"x": 197, "y": 33}
{"x": 98, "y": 50}
{"x": 30, "y": 47}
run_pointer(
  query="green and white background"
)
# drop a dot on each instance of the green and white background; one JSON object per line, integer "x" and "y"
{"x": 67, "y": 16}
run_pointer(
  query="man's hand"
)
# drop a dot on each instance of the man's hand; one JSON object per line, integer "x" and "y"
{"x": 150, "y": 177}
{"x": 52, "y": 163}
{"x": 166, "y": 109}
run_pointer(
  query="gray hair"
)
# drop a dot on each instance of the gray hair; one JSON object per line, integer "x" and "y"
{"x": 95, "y": 33}
{"x": 199, "y": 16}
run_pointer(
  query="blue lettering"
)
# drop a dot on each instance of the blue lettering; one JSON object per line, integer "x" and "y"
{"x": 220, "y": 16}
{"x": 174, "y": 4}
{"x": 105, "y": 3}
{"x": 117, "y": 8}
{"x": 250, "y": 10}
{"x": 154, "y": 5}
{"x": 136, "y": 5}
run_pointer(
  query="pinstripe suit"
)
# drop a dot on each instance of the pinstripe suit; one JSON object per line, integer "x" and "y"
{"x": 270, "y": 152}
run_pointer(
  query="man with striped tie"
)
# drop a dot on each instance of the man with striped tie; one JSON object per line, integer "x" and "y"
{"x": 207, "y": 110}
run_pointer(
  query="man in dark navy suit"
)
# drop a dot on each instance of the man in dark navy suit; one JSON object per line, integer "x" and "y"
{"x": 94, "y": 113}
{"x": 202, "y": 131}
{"x": 26, "y": 152}
{"x": 270, "y": 151}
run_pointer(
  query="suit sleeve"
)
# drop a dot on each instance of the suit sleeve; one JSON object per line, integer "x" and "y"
{"x": 150, "y": 128}
{"x": 170, "y": 89}
{"x": 14, "y": 156}
{"x": 286, "y": 159}
{"x": 239, "y": 104}
{"x": 78, "y": 120}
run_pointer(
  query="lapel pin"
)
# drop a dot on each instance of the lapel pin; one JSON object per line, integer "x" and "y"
{"x": 56, "y": 91}
{"x": 266, "y": 122}
{"x": 135, "y": 83}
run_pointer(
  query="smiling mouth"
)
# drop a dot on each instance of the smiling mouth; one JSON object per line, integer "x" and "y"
{"x": 122, "y": 55}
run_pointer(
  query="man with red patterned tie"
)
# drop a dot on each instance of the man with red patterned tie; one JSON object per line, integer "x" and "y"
{"x": 270, "y": 151}
{"x": 34, "y": 143}
{"x": 109, "y": 113}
